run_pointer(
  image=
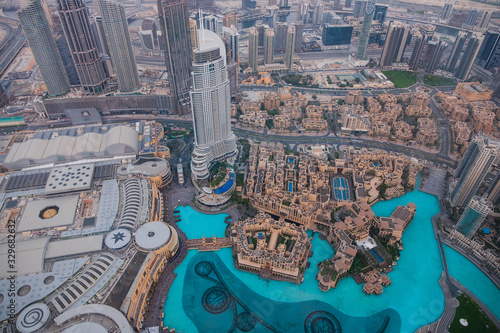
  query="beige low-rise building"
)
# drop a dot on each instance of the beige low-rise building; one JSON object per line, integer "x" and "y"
{"x": 461, "y": 132}
{"x": 473, "y": 91}
{"x": 270, "y": 248}
{"x": 381, "y": 129}
{"x": 271, "y": 101}
{"x": 421, "y": 99}
{"x": 418, "y": 111}
{"x": 427, "y": 131}
{"x": 314, "y": 124}
{"x": 459, "y": 113}
{"x": 282, "y": 122}
{"x": 402, "y": 130}
{"x": 387, "y": 98}
{"x": 354, "y": 97}
{"x": 483, "y": 116}
{"x": 314, "y": 111}
{"x": 354, "y": 123}
{"x": 372, "y": 105}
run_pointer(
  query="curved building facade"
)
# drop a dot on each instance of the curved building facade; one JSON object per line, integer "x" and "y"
{"x": 210, "y": 105}
{"x": 162, "y": 241}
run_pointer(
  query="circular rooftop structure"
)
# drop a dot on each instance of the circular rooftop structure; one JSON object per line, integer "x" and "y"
{"x": 85, "y": 327}
{"x": 33, "y": 318}
{"x": 118, "y": 239}
{"x": 152, "y": 236}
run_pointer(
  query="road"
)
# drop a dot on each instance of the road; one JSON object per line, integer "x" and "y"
{"x": 13, "y": 46}
{"x": 358, "y": 142}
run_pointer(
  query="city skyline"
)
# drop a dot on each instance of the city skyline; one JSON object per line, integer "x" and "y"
{"x": 163, "y": 162}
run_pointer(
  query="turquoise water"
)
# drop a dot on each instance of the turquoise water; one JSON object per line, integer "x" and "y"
{"x": 415, "y": 293}
{"x": 196, "y": 224}
{"x": 473, "y": 279}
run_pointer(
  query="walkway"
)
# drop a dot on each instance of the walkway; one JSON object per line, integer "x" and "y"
{"x": 451, "y": 288}
{"x": 207, "y": 244}
{"x": 176, "y": 195}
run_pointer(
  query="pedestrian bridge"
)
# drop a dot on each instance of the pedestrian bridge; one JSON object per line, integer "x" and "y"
{"x": 208, "y": 244}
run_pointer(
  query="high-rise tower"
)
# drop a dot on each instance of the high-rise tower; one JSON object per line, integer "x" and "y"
{"x": 395, "y": 43}
{"x": 269, "y": 46}
{"x": 455, "y": 52}
{"x": 120, "y": 48}
{"x": 290, "y": 46}
{"x": 473, "y": 216}
{"x": 447, "y": 11}
{"x": 473, "y": 167}
{"x": 174, "y": 23}
{"x": 253, "y": 48}
{"x": 469, "y": 57}
{"x": 39, "y": 35}
{"x": 210, "y": 104}
{"x": 365, "y": 29}
{"x": 82, "y": 44}
{"x": 435, "y": 50}
{"x": 416, "y": 55}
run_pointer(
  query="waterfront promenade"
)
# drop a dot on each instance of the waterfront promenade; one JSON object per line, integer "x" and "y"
{"x": 176, "y": 195}
{"x": 451, "y": 287}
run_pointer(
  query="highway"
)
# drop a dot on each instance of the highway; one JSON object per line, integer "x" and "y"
{"x": 12, "y": 47}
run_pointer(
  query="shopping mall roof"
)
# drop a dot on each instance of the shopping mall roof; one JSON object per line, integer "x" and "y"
{"x": 48, "y": 213}
{"x": 74, "y": 246}
{"x": 29, "y": 256}
{"x": 152, "y": 236}
{"x": 72, "y": 144}
{"x": 33, "y": 318}
{"x": 70, "y": 178}
{"x": 118, "y": 239}
{"x": 150, "y": 167}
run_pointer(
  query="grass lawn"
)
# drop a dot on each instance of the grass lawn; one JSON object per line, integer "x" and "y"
{"x": 477, "y": 320}
{"x": 401, "y": 79}
{"x": 438, "y": 81}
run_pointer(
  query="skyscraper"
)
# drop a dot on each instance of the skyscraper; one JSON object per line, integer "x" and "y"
{"x": 359, "y": 8}
{"x": 469, "y": 57}
{"x": 269, "y": 46}
{"x": 395, "y": 43}
{"x": 233, "y": 37}
{"x": 489, "y": 53}
{"x": 175, "y": 30}
{"x": 210, "y": 104}
{"x": 39, "y": 35}
{"x": 280, "y": 31}
{"x": 455, "y": 52}
{"x": 380, "y": 13}
{"x": 299, "y": 31}
{"x": 253, "y": 48}
{"x": 290, "y": 46}
{"x": 447, "y": 11}
{"x": 193, "y": 32}
{"x": 473, "y": 216}
{"x": 472, "y": 169}
{"x": 435, "y": 50}
{"x": 82, "y": 44}
{"x": 484, "y": 19}
{"x": 365, "y": 29}
{"x": 416, "y": 55}
{"x": 120, "y": 48}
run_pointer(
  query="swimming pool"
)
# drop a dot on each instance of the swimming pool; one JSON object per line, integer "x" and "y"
{"x": 340, "y": 188}
{"x": 290, "y": 186}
